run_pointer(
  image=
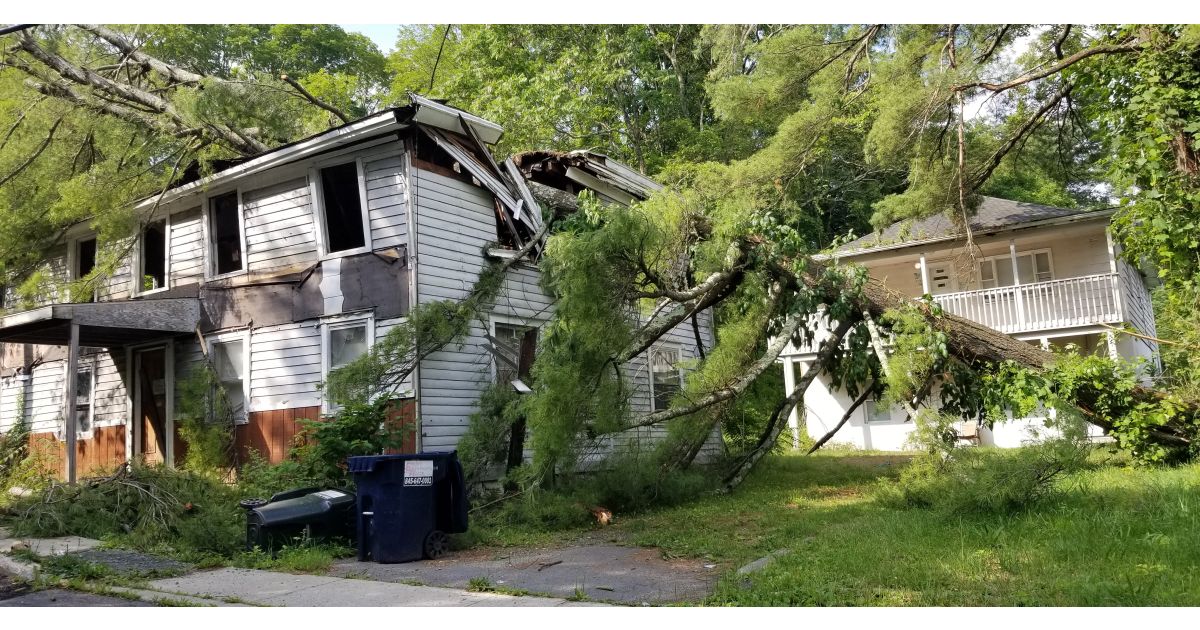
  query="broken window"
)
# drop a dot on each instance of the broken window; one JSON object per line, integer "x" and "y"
{"x": 83, "y": 399}
{"x": 154, "y": 256}
{"x": 666, "y": 379}
{"x": 226, "y": 230}
{"x": 85, "y": 262}
{"x": 513, "y": 351}
{"x": 229, "y": 364}
{"x": 343, "y": 208}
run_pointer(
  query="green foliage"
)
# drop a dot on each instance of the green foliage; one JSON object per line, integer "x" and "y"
{"x": 917, "y": 353}
{"x": 1109, "y": 386}
{"x": 357, "y": 429}
{"x": 146, "y": 508}
{"x": 305, "y": 556}
{"x": 205, "y": 421}
{"x": 483, "y": 449}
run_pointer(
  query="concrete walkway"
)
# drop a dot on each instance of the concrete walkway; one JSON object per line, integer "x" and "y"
{"x": 249, "y": 587}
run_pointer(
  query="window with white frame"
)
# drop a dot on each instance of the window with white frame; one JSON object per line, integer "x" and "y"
{"x": 225, "y": 234}
{"x": 85, "y": 380}
{"x": 666, "y": 378}
{"x": 345, "y": 340}
{"x": 1034, "y": 266}
{"x": 513, "y": 349}
{"x": 877, "y": 412}
{"x": 152, "y": 258}
{"x": 229, "y": 360}
{"x": 342, "y": 210}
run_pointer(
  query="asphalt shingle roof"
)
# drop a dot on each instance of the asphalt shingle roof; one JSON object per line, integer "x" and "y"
{"x": 993, "y": 214}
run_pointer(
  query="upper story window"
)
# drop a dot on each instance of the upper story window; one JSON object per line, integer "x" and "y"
{"x": 666, "y": 379}
{"x": 225, "y": 233}
{"x": 85, "y": 263}
{"x": 997, "y": 271}
{"x": 152, "y": 258}
{"x": 342, "y": 208}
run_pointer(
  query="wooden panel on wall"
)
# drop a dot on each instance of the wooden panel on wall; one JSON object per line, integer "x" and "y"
{"x": 271, "y": 432}
{"x": 95, "y": 456}
{"x": 403, "y": 418}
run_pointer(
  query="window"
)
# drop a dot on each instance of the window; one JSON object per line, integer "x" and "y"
{"x": 665, "y": 378}
{"x": 997, "y": 271}
{"x": 153, "y": 257}
{"x": 344, "y": 341}
{"x": 877, "y": 413}
{"x": 229, "y": 362}
{"x": 342, "y": 208}
{"x": 85, "y": 262}
{"x": 84, "y": 379}
{"x": 225, "y": 230}
{"x": 513, "y": 349}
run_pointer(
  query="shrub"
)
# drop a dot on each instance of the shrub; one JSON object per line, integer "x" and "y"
{"x": 963, "y": 480}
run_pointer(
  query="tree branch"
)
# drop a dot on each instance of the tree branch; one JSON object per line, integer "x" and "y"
{"x": 312, "y": 99}
{"x": 1131, "y": 46}
{"x": 41, "y": 147}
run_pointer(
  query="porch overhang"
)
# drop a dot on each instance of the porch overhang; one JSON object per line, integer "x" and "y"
{"x": 102, "y": 324}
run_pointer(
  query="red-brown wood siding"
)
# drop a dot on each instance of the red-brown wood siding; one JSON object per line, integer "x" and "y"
{"x": 97, "y": 455}
{"x": 272, "y": 433}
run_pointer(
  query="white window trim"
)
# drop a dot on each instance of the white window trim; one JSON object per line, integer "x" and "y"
{"x": 1007, "y": 259}
{"x": 89, "y": 363}
{"x": 338, "y": 322}
{"x": 244, "y": 337}
{"x": 210, "y": 244}
{"x": 650, "y": 367}
{"x": 137, "y": 274}
{"x": 318, "y": 205}
{"x": 517, "y": 322}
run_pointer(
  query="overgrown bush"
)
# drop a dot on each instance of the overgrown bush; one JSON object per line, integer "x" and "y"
{"x": 23, "y": 464}
{"x": 483, "y": 449}
{"x": 966, "y": 480}
{"x": 205, "y": 422}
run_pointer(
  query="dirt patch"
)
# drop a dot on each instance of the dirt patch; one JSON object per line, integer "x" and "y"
{"x": 10, "y": 588}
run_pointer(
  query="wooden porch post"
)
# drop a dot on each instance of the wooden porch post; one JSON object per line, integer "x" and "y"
{"x": 789, "y": 386}
{"x": 1012, "y": 255}
{"x": 69, "y": 400}
{"x": 924, "y": 276}
{"x": 1117, "y": 289}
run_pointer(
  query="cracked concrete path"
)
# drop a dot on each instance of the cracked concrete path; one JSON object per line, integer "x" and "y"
{"x": 628, "y": 575}
{"x": 268, "y": 588}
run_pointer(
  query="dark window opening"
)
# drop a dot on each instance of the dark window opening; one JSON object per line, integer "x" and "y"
{"x": 154, "y": 257}
{"x": 85, "y": 262}
{"x": 343, "y": 210}
{"x": 226, "y": 233}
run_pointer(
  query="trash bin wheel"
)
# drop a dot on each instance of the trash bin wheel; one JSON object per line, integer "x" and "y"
{"x": 436, "y": 544}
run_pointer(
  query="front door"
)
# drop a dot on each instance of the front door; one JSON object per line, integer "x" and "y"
{"x": 151, "y": 407}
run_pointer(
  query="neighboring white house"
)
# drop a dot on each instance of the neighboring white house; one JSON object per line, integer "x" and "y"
{"x": 1048, "y": 276}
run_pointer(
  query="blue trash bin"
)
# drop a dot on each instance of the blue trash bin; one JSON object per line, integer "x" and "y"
{"x": 407, "y": 504}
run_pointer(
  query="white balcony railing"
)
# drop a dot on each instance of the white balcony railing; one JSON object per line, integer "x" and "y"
{"x": 1047, "y": 305}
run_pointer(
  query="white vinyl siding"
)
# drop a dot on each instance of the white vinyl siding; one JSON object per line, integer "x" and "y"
{"x": 285, "y": 366}
{"x": 279, "y": 226}
{"x": 186, "y": 248}
{"x": 387, "y": 202}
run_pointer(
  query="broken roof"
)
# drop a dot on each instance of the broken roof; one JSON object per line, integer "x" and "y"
{"x": 992, "y": 215}
{"x": 611, "y": 179}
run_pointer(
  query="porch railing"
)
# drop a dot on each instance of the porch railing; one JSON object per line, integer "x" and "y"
{"x": 1046, "y": 305}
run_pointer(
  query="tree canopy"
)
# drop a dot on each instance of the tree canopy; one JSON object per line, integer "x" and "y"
{"x": 774, "y": 142}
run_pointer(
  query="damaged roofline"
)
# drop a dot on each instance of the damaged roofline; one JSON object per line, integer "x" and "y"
{"x": 427, "y": 112}
{"x": 378, "y": 123}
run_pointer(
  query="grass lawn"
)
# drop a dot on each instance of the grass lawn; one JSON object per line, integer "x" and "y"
{"x": 1114, "y": 535}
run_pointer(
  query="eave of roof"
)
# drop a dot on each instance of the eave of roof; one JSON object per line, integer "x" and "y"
{"x": 1063, "y": 220}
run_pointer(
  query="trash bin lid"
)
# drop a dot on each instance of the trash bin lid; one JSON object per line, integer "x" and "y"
{"x": 367, "y": 463}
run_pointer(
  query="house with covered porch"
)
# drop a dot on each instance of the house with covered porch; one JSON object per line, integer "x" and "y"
{"x": 1045, "y": 275}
